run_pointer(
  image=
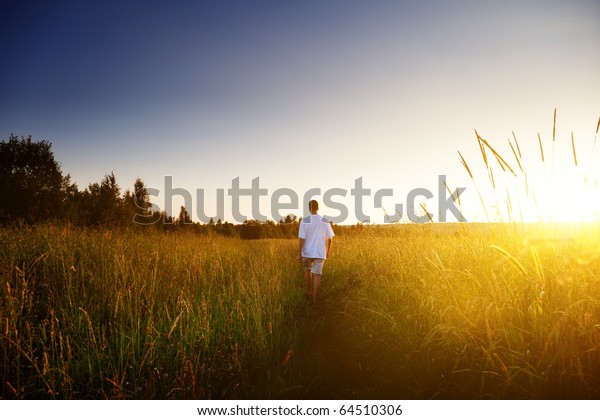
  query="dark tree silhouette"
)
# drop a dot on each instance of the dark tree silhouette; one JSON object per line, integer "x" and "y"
{"x": 184, "y": 217}
{"x": 32, "y": 187}
{"x": 102, "y": 203}
{"x": 138, "y": 204}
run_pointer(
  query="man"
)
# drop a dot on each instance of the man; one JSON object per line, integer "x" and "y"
{"x": 314, "y": 244}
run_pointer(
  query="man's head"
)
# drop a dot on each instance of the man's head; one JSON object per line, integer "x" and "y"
{"x": 313, "y": 206}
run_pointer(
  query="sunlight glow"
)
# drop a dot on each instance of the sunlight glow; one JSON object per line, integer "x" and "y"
{"x": 555, "y": 180}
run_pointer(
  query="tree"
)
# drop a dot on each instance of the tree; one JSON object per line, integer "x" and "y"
{"x": 139, "y": 205}
{"x": 252, "y": 229}
{"x": 184, "y": 217}
{"x": 102, "y": 203}
{"x": 32, "y": 186}
{"x": 110, "y": 199}
{"x": 75, "y": 211}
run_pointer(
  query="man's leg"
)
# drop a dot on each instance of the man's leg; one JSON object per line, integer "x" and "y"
{"x": 316, "y": 284}
{"x": 309, "y": 286}
{"x": 316, "y": 271}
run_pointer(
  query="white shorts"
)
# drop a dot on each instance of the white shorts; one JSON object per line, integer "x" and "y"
{"x": 315, "y": 265}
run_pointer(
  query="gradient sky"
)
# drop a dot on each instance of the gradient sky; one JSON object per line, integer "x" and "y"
{"x": 301, "y": 94}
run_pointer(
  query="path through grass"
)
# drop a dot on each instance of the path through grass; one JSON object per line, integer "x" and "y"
{"x": 429, "y": 311}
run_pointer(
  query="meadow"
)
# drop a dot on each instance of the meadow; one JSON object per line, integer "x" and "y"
{"x": 406, "y": 311}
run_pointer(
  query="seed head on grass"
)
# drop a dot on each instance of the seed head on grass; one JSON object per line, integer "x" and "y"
{"x": 573, "y": 146}
{"x": 464, "y": 163}
{"x": 516, "y": 156}
{"x": 503, "y": 164}
{"x": 554, "y": 127}
{"x": 454, "y": 199}
{"x": 512, "y": 259}
{"x": 517, "y": 143}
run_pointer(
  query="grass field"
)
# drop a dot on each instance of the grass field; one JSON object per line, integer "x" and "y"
{"x": 406, "y": 311}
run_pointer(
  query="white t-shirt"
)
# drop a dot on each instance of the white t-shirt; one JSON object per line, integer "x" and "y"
{"x": 314, "y": 229}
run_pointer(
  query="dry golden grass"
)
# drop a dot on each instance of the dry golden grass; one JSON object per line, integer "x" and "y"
{"x": 432, "y": 311}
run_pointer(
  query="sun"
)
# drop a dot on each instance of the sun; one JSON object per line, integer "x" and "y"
{"x": 571, "y": 198}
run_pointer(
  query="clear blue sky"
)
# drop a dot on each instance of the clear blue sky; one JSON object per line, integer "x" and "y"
{"x": 301, "y": 94}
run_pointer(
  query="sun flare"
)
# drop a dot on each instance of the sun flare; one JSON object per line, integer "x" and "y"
{"x": 549, "y": 180}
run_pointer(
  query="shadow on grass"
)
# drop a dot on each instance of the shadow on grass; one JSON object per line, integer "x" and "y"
{"x": 335, "y": 356}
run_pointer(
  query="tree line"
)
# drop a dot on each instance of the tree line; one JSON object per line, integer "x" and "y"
{"x": 33, "y": 189}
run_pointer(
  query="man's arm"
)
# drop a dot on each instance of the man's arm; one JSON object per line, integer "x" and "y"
{"x": 300, "y": 246}
{"x": 328, "y": 245}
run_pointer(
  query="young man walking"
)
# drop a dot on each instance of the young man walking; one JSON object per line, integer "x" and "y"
{"x": 314, "y": 244}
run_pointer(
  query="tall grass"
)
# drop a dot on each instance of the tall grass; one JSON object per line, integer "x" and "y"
{"x": 428, "y": 311}
{"x": 94, "y": 314}
{"x": 481, "y": 312}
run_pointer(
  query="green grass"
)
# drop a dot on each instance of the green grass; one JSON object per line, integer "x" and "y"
{"x": 89, "y": 314}
{"x": 432, "y": 311}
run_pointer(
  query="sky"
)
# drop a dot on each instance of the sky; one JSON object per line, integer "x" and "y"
{"x": 301, "y": 95}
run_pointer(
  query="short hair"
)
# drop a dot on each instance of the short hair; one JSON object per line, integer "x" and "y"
{"x": 313, "y": 205}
